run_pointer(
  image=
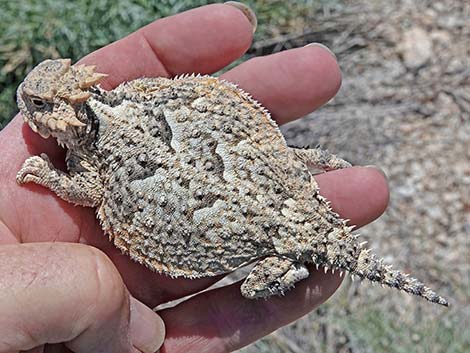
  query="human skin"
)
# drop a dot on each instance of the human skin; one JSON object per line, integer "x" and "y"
{"x": 57, "y": 287}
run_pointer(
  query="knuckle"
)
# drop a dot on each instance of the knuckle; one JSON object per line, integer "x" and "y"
{"x": 109, "y": 287}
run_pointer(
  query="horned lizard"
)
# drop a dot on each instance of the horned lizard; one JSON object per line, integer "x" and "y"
{"x": 191, "y": 177}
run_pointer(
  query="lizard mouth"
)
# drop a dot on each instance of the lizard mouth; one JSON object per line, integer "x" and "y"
{"x": 44, "y": 133}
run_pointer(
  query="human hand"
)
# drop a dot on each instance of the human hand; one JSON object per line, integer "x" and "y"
{"x": 290, "y": 84}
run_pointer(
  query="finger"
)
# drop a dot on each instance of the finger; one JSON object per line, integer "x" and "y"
{"x": 201, "y": 40}
{"x": 59, "y": 292}
{"x": 292, "y": 83}
{"x": 359, "y": 194}
{"x": 233, "y": 321}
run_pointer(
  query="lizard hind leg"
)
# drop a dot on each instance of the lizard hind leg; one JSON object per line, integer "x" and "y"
{"x": 273, "y": 276}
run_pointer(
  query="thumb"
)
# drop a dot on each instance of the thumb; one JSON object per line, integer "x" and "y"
{"x": 71, "y": 293}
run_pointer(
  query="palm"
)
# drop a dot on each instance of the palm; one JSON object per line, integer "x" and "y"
{"x": 289, "y": 84}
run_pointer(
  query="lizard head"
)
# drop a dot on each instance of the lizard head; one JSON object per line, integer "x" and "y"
{"x": 52, "y": 97}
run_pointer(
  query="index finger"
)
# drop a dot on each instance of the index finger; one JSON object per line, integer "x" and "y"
{"x": 201, "y": 40}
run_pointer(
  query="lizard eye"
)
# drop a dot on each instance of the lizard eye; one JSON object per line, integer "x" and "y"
{"x": 39, "y": 103}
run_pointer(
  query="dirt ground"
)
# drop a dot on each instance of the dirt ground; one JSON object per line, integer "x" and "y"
{"x": 405, "y": 107}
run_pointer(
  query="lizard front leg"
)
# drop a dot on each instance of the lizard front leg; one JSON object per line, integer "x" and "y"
{"x": 83, "y": 188}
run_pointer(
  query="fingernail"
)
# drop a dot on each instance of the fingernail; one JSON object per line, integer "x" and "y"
{"x": 322, "y": 46}
{"x": 377, "y": 169}
{"x": 147, "y": 329}
{"x": 247, "y": 11}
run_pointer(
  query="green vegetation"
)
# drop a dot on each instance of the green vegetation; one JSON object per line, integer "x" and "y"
{"x": 375, "y": 330}
{"x": 33, "y": 30}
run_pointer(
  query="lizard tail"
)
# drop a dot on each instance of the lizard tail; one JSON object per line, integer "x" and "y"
{"x": 370, "y": 267}
{"x": 340, "y": 250}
